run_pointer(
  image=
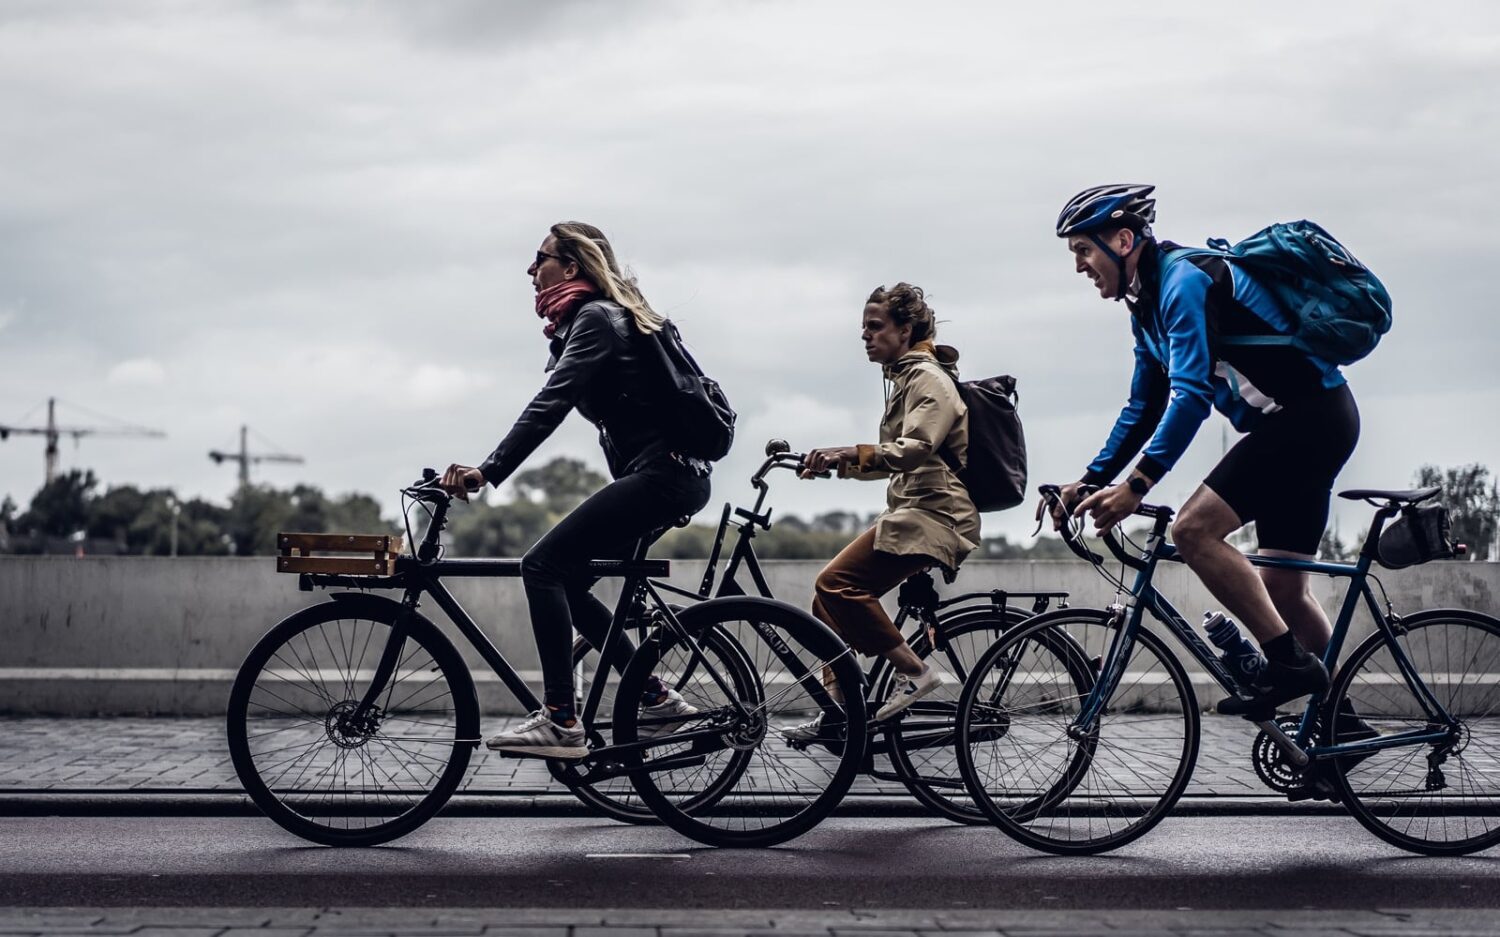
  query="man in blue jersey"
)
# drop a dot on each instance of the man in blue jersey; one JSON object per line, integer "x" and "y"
{"x": 1296, "y": 410}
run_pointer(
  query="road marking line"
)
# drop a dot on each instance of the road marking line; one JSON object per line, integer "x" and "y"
{"x": 637, "y": 855}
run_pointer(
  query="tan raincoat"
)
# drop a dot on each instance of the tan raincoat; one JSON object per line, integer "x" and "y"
{"x": 928, "y": 510}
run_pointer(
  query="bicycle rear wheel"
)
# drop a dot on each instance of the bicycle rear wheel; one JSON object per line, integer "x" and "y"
{"x": 762, "y": 789}
{"x": 1072, "y": 791}
{"x": 326, "y": 768}
{"x": 921, "y": 743}
{"x": 1436, "y": 798}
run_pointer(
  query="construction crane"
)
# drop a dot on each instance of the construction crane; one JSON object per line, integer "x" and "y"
{"x": 245, "y": 457}
{"x": 53, "y": 432}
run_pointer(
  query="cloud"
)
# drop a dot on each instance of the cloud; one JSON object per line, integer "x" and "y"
{"x": 315, "y": 217}
{"x": 141, "y": 371}
{"x": 435, "y": 385}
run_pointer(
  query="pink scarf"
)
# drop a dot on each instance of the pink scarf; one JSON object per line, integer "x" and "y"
{"x": 558, "y": 302}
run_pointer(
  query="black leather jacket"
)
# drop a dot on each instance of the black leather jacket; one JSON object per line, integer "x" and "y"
{"x": 602, "y": 366}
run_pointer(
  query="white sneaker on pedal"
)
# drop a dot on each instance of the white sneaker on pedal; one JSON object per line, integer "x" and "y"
{"x": 539, "y": 737}
{"x": 806, "y": 732}
{"x": 908, "y": 690}
{"x": 673, "y": 705}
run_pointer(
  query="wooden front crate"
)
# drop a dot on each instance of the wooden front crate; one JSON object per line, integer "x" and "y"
{"x": 377, "y": 554}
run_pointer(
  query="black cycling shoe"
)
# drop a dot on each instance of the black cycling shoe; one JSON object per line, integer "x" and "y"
{"x": 1278, "y": 683}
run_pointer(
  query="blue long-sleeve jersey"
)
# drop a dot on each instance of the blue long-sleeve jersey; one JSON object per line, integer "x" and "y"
{"x": 1188, "y": 304}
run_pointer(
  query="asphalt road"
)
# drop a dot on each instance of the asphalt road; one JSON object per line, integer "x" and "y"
{"x": 1199, "y": 863}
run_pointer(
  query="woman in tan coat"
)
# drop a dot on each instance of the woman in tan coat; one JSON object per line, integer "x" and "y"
{"x": 929, "y": 518}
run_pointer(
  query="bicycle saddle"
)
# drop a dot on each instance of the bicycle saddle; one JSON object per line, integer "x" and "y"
{"x": 1410, "y": 496}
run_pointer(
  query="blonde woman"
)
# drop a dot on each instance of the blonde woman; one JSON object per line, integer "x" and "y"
{"x": 598, "y": 324}
{"x": 929, "y": 518}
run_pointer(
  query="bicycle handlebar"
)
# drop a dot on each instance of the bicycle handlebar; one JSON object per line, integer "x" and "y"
{"x": 1072, "y": 536}
{"x": 779, "y": 455}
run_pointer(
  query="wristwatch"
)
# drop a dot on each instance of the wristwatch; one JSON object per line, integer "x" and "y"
{"x": 1138, "y": 485}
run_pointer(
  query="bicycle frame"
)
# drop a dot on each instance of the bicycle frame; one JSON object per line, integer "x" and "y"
{"x": 1142, "y": 596}
{"x": 918, "y": 599}
{"x": 424, "y": 574}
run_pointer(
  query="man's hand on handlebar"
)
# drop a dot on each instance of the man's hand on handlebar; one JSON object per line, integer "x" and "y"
{"x": 1067, "y": 496}
{"x": 460, "y": 480}
{"x": 1109, "y": 506}
{"x": 820, "y": 462}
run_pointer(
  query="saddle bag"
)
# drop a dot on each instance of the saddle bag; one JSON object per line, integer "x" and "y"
{"x": 1420, "y": 535}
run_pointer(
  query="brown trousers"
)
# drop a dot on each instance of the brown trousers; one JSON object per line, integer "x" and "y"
{"x": 849, "y": 590}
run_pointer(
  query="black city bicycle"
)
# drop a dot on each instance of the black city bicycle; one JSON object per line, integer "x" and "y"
{"x": 352, "y": 722}
{"x": 1078, "y": 731}
{"x": 951, "y": 633}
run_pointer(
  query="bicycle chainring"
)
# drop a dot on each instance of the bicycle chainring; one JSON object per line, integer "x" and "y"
{"x": 1271, "y": 764}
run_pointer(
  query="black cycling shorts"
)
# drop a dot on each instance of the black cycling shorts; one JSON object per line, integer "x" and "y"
{"x": 1281, "y": 475}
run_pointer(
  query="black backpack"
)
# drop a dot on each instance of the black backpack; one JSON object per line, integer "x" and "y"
{"x": 701, "y": 419}
{"x": 996, "y": 471}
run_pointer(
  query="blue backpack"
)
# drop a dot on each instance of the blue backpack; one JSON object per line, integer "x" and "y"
{"x": 1341, "y": 309}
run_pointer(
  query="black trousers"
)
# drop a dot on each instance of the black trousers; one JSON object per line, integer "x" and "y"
{"x": 605, "y": 527}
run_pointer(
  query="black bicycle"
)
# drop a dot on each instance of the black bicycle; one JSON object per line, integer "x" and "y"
{"x": 352, "y": 722}
{"x": 951, "y": 632}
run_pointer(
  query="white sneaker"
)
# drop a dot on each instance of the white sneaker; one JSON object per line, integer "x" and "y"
{"x": 806, "y": 732}
{"x": 908, "y": 690}
{"x": 540, "y": 737}
{"x": 673, "y": 705}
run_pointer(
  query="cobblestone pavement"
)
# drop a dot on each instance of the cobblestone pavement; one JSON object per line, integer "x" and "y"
{"x": 189, "y": 756}
{"x": 368, "y": 922}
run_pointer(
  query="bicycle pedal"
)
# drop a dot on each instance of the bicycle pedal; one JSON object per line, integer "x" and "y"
{"x": 535, "y": 756}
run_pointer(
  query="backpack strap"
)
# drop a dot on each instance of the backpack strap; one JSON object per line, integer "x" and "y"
{"x": 949, "y": 459}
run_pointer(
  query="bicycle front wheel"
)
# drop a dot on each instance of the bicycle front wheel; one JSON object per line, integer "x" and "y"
{"x": 616, "y": 797}
{"x": 921, "y": 743}
{"x": 1438, "y": 797}
{"x": 1070, "y": 789}
{"x": 327, "y": 758}
{"x": 728, "y": 776}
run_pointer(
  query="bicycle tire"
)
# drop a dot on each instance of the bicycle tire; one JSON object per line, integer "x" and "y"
{"x": 616, "y": 798}
{"x": 1388, "y": 791}
{"x": 1071, "y": 806}
{"x": 788, "y": 651}
{"x": 398, "y": 781}
{"x": 922, "y": 753}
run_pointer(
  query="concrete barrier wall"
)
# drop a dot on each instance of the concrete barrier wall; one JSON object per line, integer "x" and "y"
{"x": 129, "y": 635}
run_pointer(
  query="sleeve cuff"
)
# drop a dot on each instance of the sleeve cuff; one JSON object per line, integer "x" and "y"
{"x": 491, "y": 475}
{"x": 1096, "y": 478}
{"x": 1151, "y": 468}
{"x": 867, "y": 456}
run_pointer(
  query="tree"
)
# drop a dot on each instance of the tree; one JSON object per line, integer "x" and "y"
{"x": 1473, "y": 503}
{"x": 257, "y": 513}
{"x": 8, "y": 511}
{"x": 61, "y": 507}
{"x": 543, "y": 496}
{"x": 561, "y": 484}
{"x": 1334, "y": 550}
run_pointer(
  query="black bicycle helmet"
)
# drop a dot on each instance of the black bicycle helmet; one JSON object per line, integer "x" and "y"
{"x": 1106, "y": 208}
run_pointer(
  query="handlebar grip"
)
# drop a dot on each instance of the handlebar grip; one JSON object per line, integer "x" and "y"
{"x": 1053, "y": 494}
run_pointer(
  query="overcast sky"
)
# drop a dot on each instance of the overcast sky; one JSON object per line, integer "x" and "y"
{"x": 315, "y": 218}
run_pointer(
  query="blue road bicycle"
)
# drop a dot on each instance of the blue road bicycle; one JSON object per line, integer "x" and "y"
{"x": 1078, "y": 731}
